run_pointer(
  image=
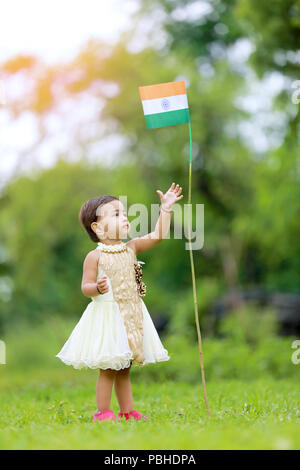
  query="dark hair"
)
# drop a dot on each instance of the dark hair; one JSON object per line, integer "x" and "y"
{"x": 87, "y": 214}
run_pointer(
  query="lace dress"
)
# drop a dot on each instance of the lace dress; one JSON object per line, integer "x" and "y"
{"x": 116, "y": 328}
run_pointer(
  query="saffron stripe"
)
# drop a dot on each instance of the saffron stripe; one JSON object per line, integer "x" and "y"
{"x": 161, "y": 90}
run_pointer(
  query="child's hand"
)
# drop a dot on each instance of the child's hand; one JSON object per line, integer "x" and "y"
{"x": 102, "y": 285}
{"x": 171, "y": 196}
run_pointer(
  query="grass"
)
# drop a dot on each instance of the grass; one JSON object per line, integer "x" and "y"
{"x": 252, "y": 387}
{"x": 53, "y": 409}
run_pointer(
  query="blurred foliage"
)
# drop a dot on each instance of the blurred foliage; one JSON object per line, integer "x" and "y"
{"x": 249, "y": 325}
{"x": 247, "y": 349}
{"x": 251, "y": 199}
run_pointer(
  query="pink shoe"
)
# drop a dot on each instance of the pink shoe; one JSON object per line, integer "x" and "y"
{"x": 134, "y": 414}
{"x": 104, "y": 416}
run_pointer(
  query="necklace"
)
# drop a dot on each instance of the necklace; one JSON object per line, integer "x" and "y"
{"x": 112, "y": 248}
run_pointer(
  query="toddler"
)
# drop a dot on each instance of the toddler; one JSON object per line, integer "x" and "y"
{"x": 116, "y": 331}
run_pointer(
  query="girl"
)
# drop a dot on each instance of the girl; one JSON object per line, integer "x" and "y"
{"x": 116, "y": 330}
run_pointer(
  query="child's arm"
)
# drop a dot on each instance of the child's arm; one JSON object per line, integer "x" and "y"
{"x": 89, "y": 277}
{"x": 162, "y": 227}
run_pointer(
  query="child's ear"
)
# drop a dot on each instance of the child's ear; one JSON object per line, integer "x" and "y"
{"x": 95, "y": 227}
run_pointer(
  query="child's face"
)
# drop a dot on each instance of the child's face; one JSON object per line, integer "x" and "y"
{"x": 112, "y": 221}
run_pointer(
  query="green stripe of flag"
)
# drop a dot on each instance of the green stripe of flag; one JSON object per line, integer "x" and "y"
{"x": 170, "y": 118}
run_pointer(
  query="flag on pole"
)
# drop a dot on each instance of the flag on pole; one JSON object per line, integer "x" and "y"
{"x": 165, "y": 104}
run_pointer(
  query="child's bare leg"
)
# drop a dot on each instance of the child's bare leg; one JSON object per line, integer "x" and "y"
{"x": 123, "y": 390}
{"x": 104, "y": 387}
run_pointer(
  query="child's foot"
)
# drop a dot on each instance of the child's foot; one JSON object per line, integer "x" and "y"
{"x": 104, "y": 416}
{"x": 134, "y": 414}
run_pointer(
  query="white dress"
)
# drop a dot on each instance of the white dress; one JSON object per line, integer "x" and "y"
{"x": 102, "y": 337}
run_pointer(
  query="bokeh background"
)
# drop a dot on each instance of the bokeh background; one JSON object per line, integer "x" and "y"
{"x": 72, "y": 128}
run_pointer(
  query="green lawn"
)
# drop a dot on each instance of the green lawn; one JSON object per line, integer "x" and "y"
{"x": 54, "y": 409}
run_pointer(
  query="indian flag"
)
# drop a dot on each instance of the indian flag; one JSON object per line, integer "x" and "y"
{"x": 165, "y": 104}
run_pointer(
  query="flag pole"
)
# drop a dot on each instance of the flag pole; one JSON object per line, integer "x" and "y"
{"x": 193, "y": 276}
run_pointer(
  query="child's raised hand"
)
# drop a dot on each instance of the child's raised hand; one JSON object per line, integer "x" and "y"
{"x": 102, "y": 285}
{"x": 171, "y": 196}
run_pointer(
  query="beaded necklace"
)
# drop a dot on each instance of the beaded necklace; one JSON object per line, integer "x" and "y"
{"x": 110, "y": 248}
